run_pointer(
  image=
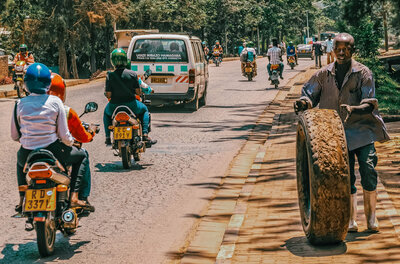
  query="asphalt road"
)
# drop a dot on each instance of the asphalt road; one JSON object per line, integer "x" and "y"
{"x": 143, "y": 213}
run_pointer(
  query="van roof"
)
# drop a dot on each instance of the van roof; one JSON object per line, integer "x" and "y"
{"x": 166, "y": 36}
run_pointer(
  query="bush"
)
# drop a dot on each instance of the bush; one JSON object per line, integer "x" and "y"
{"x": 387, "y": 90}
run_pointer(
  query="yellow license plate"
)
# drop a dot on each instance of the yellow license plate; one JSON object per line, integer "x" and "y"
{"x": 40, "y": 200}
{"x": 159, "y": 80}
{"x": 122, "y": 133}
{"x": 248, "y": 69}
{"x": 303, "y": 51}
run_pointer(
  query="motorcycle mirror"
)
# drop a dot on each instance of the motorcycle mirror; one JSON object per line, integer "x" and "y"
{"x": 91, "y": 107}
{"x": 147, "y": 73}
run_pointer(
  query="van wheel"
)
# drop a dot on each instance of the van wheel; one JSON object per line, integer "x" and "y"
{"x": 203, "y": 99}
{"x": 323, "y": 176}
{"x": 193, "y": 105}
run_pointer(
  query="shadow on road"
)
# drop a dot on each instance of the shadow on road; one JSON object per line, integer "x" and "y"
{"x": 116, "y": 166}
{"x": 300, "y": 246}
{"x": 28, "y": 252}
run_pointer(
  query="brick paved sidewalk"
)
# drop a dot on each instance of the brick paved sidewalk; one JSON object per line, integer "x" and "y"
{"x": 254, "y": 217}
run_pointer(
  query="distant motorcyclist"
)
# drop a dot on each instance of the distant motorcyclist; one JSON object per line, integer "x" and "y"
{"x": 23, "y": 55}
{"x": 275, "y": 57}
{"x": 291, "y": 51}
{"x": 121, "y": 86}
{"x": 248, "y": 54}
{"x": 206, "y": 49}
{"x": 39, "y": 122}
{"x": 78, "y": 131}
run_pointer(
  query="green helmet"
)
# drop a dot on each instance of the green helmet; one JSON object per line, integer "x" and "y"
{"x": 250, "y": 44}
{"x": 23, "y": 48}
{"x": 119, "y": 58}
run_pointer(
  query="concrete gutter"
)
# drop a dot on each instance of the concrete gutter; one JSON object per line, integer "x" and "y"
{"x": 8, "y": 90}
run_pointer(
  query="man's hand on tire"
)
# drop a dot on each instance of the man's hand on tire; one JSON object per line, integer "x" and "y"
{"x": 299, "y": 106}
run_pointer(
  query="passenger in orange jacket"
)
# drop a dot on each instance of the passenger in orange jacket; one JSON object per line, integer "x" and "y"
{"x": 78, "y": 131}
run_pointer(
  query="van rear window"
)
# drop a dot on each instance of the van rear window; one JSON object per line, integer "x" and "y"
{"x": 159, "y": 50}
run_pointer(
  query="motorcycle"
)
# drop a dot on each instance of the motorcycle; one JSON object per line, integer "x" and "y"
{"x": 249, "y": 66}
{"x": 217, "y": 58}
{"x": 275, "y": 75}
{"x": 19, "y": 72}
{"x": 292, "y": 61}
{"x": 47, "y": 202}
{"x": 127, "y": 136}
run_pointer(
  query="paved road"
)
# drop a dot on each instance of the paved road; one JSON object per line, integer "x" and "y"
{"x": 142, "y": 213}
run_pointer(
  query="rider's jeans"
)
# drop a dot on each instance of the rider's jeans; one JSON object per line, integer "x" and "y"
{"x": 137, "y": 107}
{"x": 64, "y": 154}
{"x": 367, "y": 160}
{"x": 84, "y": 191}
{"x": 280, "y": 69}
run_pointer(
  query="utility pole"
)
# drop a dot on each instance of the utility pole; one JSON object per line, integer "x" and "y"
{"x": 308, "y": 31}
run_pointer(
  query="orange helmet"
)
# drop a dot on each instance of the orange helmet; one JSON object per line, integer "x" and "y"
{"x": 57, "y": 87}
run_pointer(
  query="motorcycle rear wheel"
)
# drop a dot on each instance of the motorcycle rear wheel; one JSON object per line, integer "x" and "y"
{"x": 250, "y": 77}
{"x": 126, "y": 157}
{"x": 46, "y": 237}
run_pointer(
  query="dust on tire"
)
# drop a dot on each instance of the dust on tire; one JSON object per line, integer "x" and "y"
{"x": 323, "y": 177}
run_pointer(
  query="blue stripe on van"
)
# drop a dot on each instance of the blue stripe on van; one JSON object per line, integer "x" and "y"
{"x": 159, "y": 68}
{"x": 146, "y": 67}
{"x": 171, "y": 68}
{"x": 134, "y": 67}
{"x": 184, "y": 68}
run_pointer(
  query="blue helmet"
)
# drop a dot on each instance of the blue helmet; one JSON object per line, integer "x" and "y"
{"x": 37, "y": 78}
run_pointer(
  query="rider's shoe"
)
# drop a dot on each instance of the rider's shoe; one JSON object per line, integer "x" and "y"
{"x": 18, "y": 208}
{"x": 269, "y": 78}
{"x": 108, "y": 141}
{"x": 29, "y": 225}
{"x": 281, "y": 77}
{"x": 149, "y": 142}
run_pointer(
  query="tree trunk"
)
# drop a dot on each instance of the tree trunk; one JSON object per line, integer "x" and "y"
{"x": 385, "y": 25}
{"x": 107, "y": 47}
{"x": 73, "y": 61}
{"x": 93, "y": 67}
{"x": 62, "y": 54}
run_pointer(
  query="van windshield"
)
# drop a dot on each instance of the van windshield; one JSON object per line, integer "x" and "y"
{"x": 160, "y": 50}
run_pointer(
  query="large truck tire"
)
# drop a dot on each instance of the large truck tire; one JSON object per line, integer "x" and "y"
{"x": 323, "y": 176}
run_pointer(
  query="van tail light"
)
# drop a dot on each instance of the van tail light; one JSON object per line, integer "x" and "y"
{"x": 40, "y": 171}
{"x": 192, "y": 76}
{"x": 122, "y": 117}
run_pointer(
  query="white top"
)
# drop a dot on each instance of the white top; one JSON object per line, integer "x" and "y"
{"x": 329, "y": 45}
{"x": 245, "y": 50}
{"x": 275, "y": 54}
{"x": 42, "y": 121}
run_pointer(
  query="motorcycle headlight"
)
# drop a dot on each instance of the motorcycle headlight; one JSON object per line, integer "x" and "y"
{"x": 19, "y": 68}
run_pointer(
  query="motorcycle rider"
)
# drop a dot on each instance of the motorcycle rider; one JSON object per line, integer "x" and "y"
{"x": 347, "y": 86}
{"x": 78, "y": 131}
{"x": 23, "y": 55}
{"x": 248, "y": 53}
{"x": 121, "y": 87}
{"x": 291, "y": 51}
{"x": 275, "y": 57}
{"x": 39, "y": 121}
{"x": 206, "y": 49}
{"x": 218, "y": 47}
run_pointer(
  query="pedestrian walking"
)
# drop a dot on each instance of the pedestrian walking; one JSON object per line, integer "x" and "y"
{"x": 329, "y": 50}
{"x": 348, "y": 87}
{"x": 317, "y": 52}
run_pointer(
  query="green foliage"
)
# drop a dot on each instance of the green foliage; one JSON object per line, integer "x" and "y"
{"x": 368, "y": 36}
{"x": 387, "y": 90}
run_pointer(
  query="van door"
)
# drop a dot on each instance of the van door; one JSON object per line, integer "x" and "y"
{"x": 204, "y": 65}
{"x": 198, "y": 67}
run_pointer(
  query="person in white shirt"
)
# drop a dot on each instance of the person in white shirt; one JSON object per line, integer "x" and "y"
{"x": 39, "y": 121}
{"x": 329, "y": 50}
{"x": 275, "y": 57}
{"x": 248, "y": 53}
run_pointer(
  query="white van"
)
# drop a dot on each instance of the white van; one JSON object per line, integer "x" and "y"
{"x": 178, "y": 64}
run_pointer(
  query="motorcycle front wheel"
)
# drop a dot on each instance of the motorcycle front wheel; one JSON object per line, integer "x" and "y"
{"x": 126, "y": 157}
{"x": 250, "y": 77}
{"x": 46, "y": 236}
{"x": 20, "y": 90}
